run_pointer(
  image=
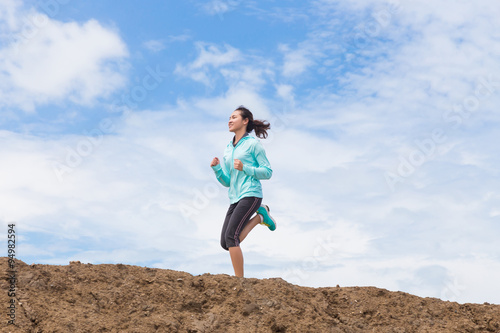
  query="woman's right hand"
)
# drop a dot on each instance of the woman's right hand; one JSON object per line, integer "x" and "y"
{"x": 215, "y": 161}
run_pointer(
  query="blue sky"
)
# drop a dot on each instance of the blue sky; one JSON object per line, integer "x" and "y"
{"x": 384, "y": 122}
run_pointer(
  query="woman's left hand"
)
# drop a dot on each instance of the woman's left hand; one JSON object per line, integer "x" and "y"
{"x": 238, "y": 165}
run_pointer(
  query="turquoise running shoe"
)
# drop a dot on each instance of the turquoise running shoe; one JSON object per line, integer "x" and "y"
{"x": 267, "y": 219}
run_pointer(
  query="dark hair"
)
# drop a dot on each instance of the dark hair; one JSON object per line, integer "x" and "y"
{"x": 259, "y": 126}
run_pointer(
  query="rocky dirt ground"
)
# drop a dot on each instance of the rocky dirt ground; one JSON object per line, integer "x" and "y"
{"x": 121, "y": 298}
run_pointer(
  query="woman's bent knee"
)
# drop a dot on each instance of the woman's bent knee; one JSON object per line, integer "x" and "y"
{"x": 224, "y": 245}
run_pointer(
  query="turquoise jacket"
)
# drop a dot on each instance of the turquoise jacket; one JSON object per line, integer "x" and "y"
{"x": 244, "y": 183}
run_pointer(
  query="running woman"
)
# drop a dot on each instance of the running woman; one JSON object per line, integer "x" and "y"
{"x": 243, "y": 166}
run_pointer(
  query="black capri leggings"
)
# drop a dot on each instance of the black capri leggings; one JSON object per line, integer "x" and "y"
{"x": 237, "y": 217}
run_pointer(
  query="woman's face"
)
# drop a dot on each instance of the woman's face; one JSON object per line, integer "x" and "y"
{"x": 236, "y": 121}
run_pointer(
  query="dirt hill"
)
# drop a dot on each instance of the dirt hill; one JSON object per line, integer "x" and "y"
{"x": 120, "y": 298}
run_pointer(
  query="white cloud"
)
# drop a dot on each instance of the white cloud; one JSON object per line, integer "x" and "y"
{"x": 209, "y": 56}
{"x": 8, "y": 16}
{"x": 217, "y": 7}
{"x": 296, "y": 61}
{"x": 237, "y": 71}
{"x": 154, "y": 45}
{"x": 285, "y": 91}
{"x": 60, "y": 61}
{"x": 179, "y": 38}
{"x": 157, "y": 45}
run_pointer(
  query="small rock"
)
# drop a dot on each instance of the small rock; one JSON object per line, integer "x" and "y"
{"x": 249, "y": 308}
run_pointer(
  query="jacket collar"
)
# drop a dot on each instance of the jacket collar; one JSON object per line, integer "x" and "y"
{"x": 234, "y": 137}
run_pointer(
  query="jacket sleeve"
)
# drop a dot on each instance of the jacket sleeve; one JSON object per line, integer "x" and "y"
{"x": 263, "y": 170}
{"x": 222, "y": 177}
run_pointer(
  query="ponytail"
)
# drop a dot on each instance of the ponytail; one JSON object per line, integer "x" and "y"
{"x": 259, "y": 126}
